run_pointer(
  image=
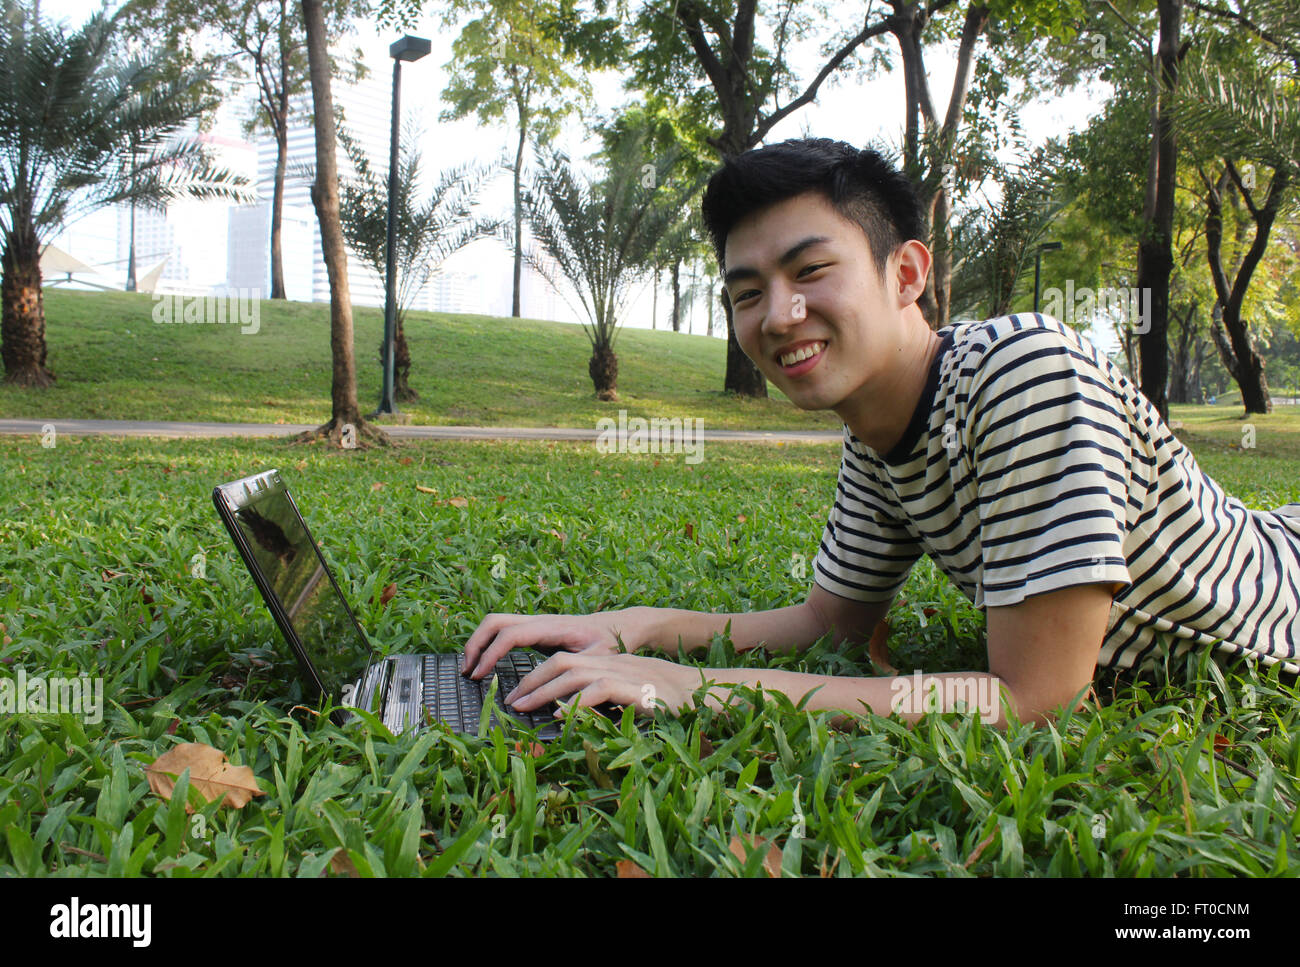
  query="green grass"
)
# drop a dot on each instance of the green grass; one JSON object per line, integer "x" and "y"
{"x": 112, "y": 361}
{"x": 1197, "y": 777}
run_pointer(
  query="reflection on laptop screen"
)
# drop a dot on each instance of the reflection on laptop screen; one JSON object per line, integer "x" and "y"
{"x": 296, "y": 574}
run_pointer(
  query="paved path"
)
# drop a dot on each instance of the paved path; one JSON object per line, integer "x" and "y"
{"x": 150, "y": 428}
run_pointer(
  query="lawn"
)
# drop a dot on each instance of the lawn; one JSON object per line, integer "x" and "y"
{"x": 112, "y": 361}
{"x": 113, "y": 563}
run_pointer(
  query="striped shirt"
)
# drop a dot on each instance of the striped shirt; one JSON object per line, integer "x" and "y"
{"x": 1032, "y": 464}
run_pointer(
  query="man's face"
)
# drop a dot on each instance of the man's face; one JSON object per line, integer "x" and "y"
{"x": 802, "y": 282}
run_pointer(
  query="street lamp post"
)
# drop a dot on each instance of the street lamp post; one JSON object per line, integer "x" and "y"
{"x": 1038, "y": 265}
{"x": 409, "y": 49}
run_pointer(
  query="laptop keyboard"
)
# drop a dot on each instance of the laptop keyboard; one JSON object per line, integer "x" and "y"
{"x": 452, "y": 698}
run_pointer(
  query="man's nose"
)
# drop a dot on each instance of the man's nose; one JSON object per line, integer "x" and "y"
{"x": 785, "y": 309}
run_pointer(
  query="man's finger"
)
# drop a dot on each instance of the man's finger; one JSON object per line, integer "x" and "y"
{"x": 488, "y": 629}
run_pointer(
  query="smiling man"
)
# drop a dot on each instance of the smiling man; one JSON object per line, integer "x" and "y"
{"x": 1030, "y": 470}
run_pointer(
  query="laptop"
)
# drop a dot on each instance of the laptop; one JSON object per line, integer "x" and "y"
{"x": 335, "y": 657}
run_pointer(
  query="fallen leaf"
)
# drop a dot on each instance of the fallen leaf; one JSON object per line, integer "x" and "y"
{"x": 341, "y": 862}
{"x": 878, "y": 648}
{"x": 405, "y": 461}
{"x": 706, "y": 747}
{"x": 740, "y": 518}
{"x": 425, "y": 490}
{"x": 387, "y": 594}
{"x": 377, "y": 485}
{"x": 458, "y": 502}
{"x": 210, "y": 773}
{"x": 559, "y": 535}
{"x": 979, "y": 848}
{"x": 1221, "y": 742}
{"x": 771, "y": 862}
{"x": 300, "y": 465}
{"x": 536, "y": 749}
{"x": 627, "y": 870}
{"x": 171, "y": 729}
{"x": 690, "y": 532}
{"x": 109, "y": 574}
{"x": 593, "y": 766}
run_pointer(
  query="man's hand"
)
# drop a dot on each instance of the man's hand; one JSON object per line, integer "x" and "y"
{"x": 646, "y": 683}
{"x": 592, "y": 634}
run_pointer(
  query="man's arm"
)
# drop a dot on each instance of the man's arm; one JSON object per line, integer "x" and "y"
{"x": 643, "y": 629}
{"x": 1042, "y": 651}
{"x": 781, "y": 630}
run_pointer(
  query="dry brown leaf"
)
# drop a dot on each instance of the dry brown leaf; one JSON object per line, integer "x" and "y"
{"x": 425, "y": 490}
{"x": 341, "y": 862}
{"x": 210, "y": 773}
{"x": 535, "y": 748}
{"x": 559, "y": 535}
{"x": 405, "y": 461}
{"x": 706, "y": 747}
{"x": 300, "y": 465}
{"x": 377, "y": 485}
{"x": 741, "y": 518}
{"x": 771, "y": 862}
{"x": 690, "y": 532}
{"x": 878, "y": 648}
{"x": 627, "y": 870}
{"x": 458, "y": 501}
{"x": 980, "y": 847}
{"x": 386, "y": 595}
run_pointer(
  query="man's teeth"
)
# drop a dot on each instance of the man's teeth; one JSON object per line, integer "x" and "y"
{"x": 789, "y": 359}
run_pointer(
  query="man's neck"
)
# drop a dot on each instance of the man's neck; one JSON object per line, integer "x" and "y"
{"x": 880, "y": 415}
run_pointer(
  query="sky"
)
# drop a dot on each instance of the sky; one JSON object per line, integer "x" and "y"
{"x": 851, "y": 110}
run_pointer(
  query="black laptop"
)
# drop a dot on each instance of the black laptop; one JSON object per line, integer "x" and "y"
{"x": 336, "y": 659}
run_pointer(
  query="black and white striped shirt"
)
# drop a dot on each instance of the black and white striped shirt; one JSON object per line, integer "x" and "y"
{"x": 1032, "y": 464}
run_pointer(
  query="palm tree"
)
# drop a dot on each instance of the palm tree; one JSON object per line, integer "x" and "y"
{"x": 69, "y": 112}
{"x": 601, "y": 235}
{"x": 427, "y": 234}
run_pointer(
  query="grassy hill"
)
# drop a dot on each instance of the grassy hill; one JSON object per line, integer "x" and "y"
{"x": 113, "y": 361}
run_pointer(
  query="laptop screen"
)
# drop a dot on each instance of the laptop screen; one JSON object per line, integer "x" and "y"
{"x": 296, "y": 573}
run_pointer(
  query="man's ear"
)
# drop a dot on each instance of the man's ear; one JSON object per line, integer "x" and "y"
{"x": 911, "y": 266}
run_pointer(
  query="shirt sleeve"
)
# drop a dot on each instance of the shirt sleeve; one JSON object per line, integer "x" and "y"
{"x": 866, "y": 551}
{"x": 1051, "y": 444}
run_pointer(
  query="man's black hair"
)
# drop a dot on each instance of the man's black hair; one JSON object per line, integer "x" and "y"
{"x": 860, "y": 184}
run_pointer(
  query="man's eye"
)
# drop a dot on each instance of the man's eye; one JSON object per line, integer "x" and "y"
{"x": 812, "y": 268}
{"x": 743, "y": 296}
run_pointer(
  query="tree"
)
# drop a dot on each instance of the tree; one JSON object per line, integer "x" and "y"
{"x": 264, "y": 39}
{"x": 599, "y": 233}
{"x": 1245, "y": 112}
{"x": 69, "y": 111}
{"x": 345, "y": 428}
{"x": 427, "y": 233}
{"x": 505, "y": 63}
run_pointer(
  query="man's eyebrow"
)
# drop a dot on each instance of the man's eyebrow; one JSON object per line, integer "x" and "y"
{"x": 745, "y": 271}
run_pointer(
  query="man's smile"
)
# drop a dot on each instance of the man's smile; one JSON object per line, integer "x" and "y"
{"x": 797, "y": 358}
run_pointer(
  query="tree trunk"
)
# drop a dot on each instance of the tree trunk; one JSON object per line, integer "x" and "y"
{"x": 654, "y": 302}
{"x": 402, "y": 391}
{"x": 677, "y": 296}
{"x": 603, "y": 368}
{"x": 277, "y": 213}
{"x": 130, "y": 252}
{"x": 743, "y": 377}
{"x": 519, "y": 214}
{"x": 1155, "y": 256}
{"x": 22, "y": 332}
{"x": 325, "y": 198}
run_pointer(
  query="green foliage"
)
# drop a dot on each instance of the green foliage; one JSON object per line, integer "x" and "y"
{"x": 71, "y": 107}
{"x": 1194, "y": 775}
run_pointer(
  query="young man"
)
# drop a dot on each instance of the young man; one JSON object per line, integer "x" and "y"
{"x": 1032, "y": 472}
